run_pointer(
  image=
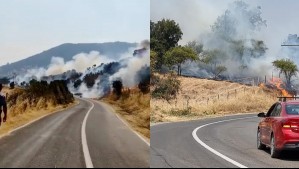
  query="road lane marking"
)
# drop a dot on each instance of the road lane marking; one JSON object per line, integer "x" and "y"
{"x": 86, "y": 153}
{"x": 194, "y": 134}
{"x": 125, "y": 123}
{"x": 143, "y": 139}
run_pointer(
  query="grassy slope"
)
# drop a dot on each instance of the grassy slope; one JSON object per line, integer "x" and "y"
{"x": 26, "y": 110}
{"x": 134, "y": 107}
{"x": 199, "y": 98}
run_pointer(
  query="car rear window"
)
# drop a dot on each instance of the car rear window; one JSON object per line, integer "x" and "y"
{"x": 292, "y": 109}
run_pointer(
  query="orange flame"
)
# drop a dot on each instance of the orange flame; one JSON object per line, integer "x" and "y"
{"x": 279, "y": 85}
{"x": 262, "y": 85}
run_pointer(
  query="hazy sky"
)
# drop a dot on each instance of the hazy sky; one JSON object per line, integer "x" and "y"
{"x": 196, "y": 16}
{"x": 32, "y": 26}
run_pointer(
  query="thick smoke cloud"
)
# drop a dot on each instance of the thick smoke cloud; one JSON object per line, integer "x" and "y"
{"x": 197, "y": 17}
{"x": 79, "y": 63}
{"x": 129, "y": 70}
{"x": 91, "y": 73}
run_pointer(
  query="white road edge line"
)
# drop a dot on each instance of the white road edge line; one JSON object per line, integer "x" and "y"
{"x": 194, "y": 134}
{"x": 124, "y": 122}
{"x": 86, "y": 153}
{"x": 146, "y": 142}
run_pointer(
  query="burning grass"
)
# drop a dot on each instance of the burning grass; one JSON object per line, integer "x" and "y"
{"x": 134, "y": 107}
{"x": 200, "y": 98}
{"x": 25, "y": 109}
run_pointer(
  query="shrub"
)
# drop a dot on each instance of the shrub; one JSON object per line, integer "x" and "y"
{"x": 167, "y": 88}
{"x": 144, "y": 85}
{"x": 117, "y": 87}
{"x": 12, "y": 85}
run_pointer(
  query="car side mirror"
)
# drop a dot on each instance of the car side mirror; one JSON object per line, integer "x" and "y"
{"x": 261, "y": 114}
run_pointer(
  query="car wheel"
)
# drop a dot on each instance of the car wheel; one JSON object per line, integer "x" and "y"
{"x": 273, "y": 151}
{"x": 260, "y": 145}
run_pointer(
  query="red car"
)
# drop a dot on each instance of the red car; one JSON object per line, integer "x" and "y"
{"x": 279, "y": 128}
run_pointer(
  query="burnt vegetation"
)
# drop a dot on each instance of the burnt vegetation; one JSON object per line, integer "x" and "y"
{"x": 56, "y": 91}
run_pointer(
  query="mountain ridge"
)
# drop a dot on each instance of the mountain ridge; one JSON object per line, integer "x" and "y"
{"x": 66, "y": 51}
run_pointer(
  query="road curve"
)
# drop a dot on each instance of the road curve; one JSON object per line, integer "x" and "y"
{"x": 55, "y": 141}
{"x": 234, "y": 137}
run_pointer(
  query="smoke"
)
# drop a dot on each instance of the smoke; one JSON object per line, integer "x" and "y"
{"x": 145, "y": 44}
{"x": 130, "y": 70}
{"x": 79, "y": 63}
{"x": 100, "y": 88}
{"x": 233, "y": 42}
{"x": 235, "y": 29}
{"x": 92, "y": 74}
{"x": 31, "y": 74}
{"x": 290, "y": 52}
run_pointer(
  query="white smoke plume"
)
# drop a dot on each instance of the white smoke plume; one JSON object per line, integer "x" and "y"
{"x": 129, "y": 72}
{"x": 197, "y": 17}
{"x": 94, "y": 66}
{"x": 58, "y": 65}
{"x": 79, "y": 63}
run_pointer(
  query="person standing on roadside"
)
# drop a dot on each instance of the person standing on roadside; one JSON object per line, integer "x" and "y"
{"x": 3, "y": 105}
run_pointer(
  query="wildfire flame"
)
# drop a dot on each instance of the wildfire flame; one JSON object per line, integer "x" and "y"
{"x": 278, "y": 83}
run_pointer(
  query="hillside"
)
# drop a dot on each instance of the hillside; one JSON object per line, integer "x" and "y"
{"x": 25, "y": 105}
{"x": 201, "y": 98}
{"x": 66, "y": 51}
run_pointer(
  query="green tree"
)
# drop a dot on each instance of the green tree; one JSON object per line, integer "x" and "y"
{"x": 213, "y": 59}
{"x": 178, "y": 55}
{"x": 165, "y": 34}
{"x": 167, "y": 88}
{"x": 287, "y": 67}
{"x": 218, "y": 70}
{"x": 153, "y": 57}
{"x": 197, "y": 47}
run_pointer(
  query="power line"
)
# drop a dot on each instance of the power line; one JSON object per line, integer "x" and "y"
{"x": 289, "y": 45}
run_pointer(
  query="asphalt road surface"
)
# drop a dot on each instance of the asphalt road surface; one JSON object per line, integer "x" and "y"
{"x": 56, "y": 141}
{"x": 218, "y": 142}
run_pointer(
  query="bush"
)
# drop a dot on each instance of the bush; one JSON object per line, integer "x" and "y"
{"x": 77, "y": 83}
{"x": 144, "y": 85}
{"x": 117, "y": 87}
{"x": 90, "y": 79}
{"x": 180, "y": 112}
{"x": 167, "y": 88}
{"x": 12, "y": 85}
{"x": 57, "y": 90}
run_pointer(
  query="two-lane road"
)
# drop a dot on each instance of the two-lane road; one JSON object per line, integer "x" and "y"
{"x": 218, "y": 142}
{"x": 56, "y": 141}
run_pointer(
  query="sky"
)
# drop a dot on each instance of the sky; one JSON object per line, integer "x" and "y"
{"x": 196, "y": 16}
{"x": 32, "y": 26}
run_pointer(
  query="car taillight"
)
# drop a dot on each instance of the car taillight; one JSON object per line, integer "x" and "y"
{"x": 288, "y": 124}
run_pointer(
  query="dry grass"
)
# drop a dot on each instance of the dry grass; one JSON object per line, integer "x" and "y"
{"x": 25, "y": 110}
{"x": 200, "y": 98}
{"x": 134, "y": 107}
